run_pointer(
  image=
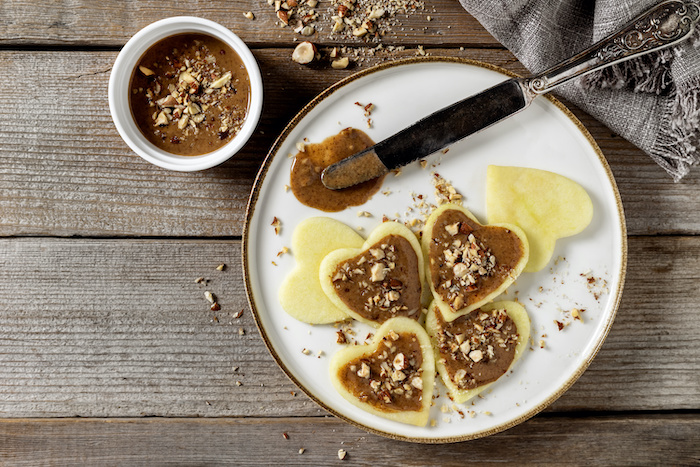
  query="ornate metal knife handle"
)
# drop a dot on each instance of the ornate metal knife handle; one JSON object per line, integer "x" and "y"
{"x": 662, "y": 26}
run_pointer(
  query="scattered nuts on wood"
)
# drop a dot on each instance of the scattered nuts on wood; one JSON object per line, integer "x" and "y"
{"x": 376, "y": 13}
{"x": 304, "y": 53}
{"x": 249, "y": 15}
{"x": 338, "y": 25}
{"x": 359, "y": 32}
{"x": 340, "y": 64}
{"x": 283, "y": 17}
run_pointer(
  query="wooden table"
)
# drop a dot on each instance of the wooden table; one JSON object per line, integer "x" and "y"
{"x": 108, "y": 352}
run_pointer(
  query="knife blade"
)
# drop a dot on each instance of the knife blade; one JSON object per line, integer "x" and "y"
{"x": 661, "y": 26}
{"x": 430, "y": 134}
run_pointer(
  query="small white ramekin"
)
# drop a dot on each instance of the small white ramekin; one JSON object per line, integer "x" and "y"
{"x": 119, "y": 93}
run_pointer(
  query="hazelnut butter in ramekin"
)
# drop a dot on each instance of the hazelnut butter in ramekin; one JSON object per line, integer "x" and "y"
{"x": 185, "y": 93}
{"x": 190, "y": 94}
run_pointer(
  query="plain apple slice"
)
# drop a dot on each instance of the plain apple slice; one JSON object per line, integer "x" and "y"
{"x": 378, "y": 281}
{"x": 301, "y": 294}
{"x": 476, "y": 349}
{"x": 547, "y": 206}
{"x": 469, "y": 264}
{"x": 391, "y": 377}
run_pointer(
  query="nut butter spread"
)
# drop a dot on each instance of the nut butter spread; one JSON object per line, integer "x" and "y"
{"x": 477, "y": 348}
{"x": 382, "y": 282}
{"x": 305, "y": 178}
{"x": 469, "y": 260}
{"x": 190, "y": 94}
{"x": 390, "y": 378}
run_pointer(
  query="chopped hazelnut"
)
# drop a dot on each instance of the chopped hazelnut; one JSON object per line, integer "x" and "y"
{"x": 277, "y": 225}
{"x": 209, "y": 296}
{"x": 146, "y": 71}
{"x": 476, "y": 355}
{"x": 283, "y": 17}
{"x": 460, "y": 270}
{"x": 223, "y": 81}
{"x": 452, "y": 229}
{"x": 378, "y": 272}
{"x": 376, "y": 13}
{"x": 400, "y": 361}
{"x": 304, "y": 53}
{"x": 393, "y": 295}
{"x": 364, "y": 371}
{"x": 417, "y": 382}
{"x": 162, "y": 119}
{"x": 378, "y": 253}
{"x": 340, "y": 64}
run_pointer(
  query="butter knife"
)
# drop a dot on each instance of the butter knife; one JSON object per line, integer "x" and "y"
{"x": 662, "y": 26}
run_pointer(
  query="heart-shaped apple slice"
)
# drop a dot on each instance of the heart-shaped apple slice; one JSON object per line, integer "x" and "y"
{"x": 393, "y": 376}
{"x": 547, "y": 206}
{"x": 469, "y": 264}
{"x": 301, "y": 294}
{"x": 477, "y": 348}
{"x": 379, "y": 281}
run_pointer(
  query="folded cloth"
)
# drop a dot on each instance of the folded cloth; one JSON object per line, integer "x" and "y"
{"x": 652, "y": 101}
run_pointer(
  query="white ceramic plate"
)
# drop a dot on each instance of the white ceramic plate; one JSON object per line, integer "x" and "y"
{"x": 545, "y": 136}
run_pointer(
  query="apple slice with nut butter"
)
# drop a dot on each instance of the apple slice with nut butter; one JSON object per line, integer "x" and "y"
{"x": 469, "y": 264}
{"x": 378, "y": 281}
{"x": 476, "y": 349}
{"x": 392, "y": 377}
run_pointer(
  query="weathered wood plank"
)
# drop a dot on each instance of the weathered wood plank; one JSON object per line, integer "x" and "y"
{"x": 65, "y": 171}
{"x": 99, "y": 328}
{"x": 89, "y": 22}
{"x": 626, "y": 440}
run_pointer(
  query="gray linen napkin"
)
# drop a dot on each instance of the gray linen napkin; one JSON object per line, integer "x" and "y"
{"x": 653, "y": 101}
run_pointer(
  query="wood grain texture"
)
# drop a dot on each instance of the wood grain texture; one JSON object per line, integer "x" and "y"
{"x": 90, "y": 22}
{"x": 98, "y": 328}
{"x": 629, "y": 440}
{"x": 65, "y": 171}
{"x": 117, "y": 328}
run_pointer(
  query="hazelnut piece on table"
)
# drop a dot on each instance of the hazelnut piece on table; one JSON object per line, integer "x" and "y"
{"x": 304, "y": 53}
